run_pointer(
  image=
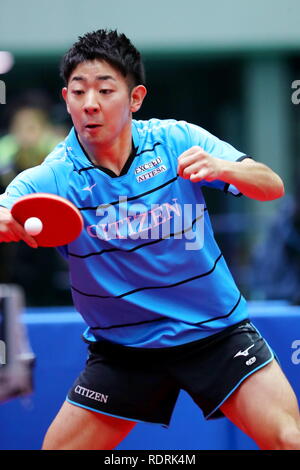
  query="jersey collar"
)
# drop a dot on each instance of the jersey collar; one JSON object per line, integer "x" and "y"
{"x": 74, "y": 145}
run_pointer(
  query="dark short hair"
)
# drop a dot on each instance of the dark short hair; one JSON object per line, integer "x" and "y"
{"x": 110, "y": 46}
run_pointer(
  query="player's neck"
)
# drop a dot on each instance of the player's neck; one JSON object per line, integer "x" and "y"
{"x": 111, "y": 155}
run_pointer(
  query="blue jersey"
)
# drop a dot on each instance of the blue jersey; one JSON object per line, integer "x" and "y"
{"x": 146, "y": 270}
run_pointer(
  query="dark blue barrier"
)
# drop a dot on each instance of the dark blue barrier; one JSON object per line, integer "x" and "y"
{"x": 55, "y": 338}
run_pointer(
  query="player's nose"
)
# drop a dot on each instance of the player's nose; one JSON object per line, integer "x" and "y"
{"x": 91, "y": 103}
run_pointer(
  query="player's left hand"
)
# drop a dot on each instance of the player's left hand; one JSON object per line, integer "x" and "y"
{"x": 195, "y": 164}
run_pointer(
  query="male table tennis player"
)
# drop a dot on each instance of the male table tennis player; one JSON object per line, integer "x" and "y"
{"x": 161, "y": 317}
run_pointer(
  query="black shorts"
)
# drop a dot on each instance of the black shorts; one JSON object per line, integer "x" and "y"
{"x": 143, "y": 384}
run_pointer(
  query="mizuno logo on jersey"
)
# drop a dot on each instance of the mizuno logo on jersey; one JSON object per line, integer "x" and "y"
{"x": 89, "y": 188}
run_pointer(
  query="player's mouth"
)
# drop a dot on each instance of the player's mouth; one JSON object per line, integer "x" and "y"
{"x": 93, "y": 126}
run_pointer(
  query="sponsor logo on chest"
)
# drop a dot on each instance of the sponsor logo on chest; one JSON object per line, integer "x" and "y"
{"x": 149, "y": 169}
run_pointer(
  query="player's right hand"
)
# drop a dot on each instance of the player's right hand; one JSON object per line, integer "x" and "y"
{"x": 12, "y": 231}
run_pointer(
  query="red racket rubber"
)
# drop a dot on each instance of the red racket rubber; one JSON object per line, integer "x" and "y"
{"x": 62, "y": 221}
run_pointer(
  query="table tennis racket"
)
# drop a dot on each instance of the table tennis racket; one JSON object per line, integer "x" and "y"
{"x": 62, "y": 221}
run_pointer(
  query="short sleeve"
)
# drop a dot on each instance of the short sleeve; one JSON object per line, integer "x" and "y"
{"x": 217, "y": 148}
{"x": 37, "y": 179}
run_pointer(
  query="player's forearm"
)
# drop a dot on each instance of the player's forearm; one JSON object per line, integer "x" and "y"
{"x": 253, "y": 179}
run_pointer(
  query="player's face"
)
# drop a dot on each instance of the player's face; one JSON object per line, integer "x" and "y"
{"x": 100, "y": 102}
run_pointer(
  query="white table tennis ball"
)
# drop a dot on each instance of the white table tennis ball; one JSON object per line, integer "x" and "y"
{"x": 33, "y": 226}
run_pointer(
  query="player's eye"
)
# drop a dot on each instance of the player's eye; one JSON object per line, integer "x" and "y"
{"x": 105, "y": 91}
{"x": 77, "y": 92}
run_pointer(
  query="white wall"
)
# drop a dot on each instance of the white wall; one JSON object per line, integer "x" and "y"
{"x": 154, "y": 24}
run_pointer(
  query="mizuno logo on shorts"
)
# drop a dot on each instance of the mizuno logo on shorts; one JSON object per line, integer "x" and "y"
{"x": 91, "y": 394}
{"x": 245, "y": 352}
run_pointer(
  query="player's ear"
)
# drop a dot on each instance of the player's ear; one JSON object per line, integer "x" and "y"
{"x": 64, "y": 93}
{"x": 137, "y": 97}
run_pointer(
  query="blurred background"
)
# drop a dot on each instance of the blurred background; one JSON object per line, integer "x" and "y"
{"x": 232, "y": 67}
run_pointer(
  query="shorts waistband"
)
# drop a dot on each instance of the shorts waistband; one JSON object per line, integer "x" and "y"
{"x": 108, "y": 346}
